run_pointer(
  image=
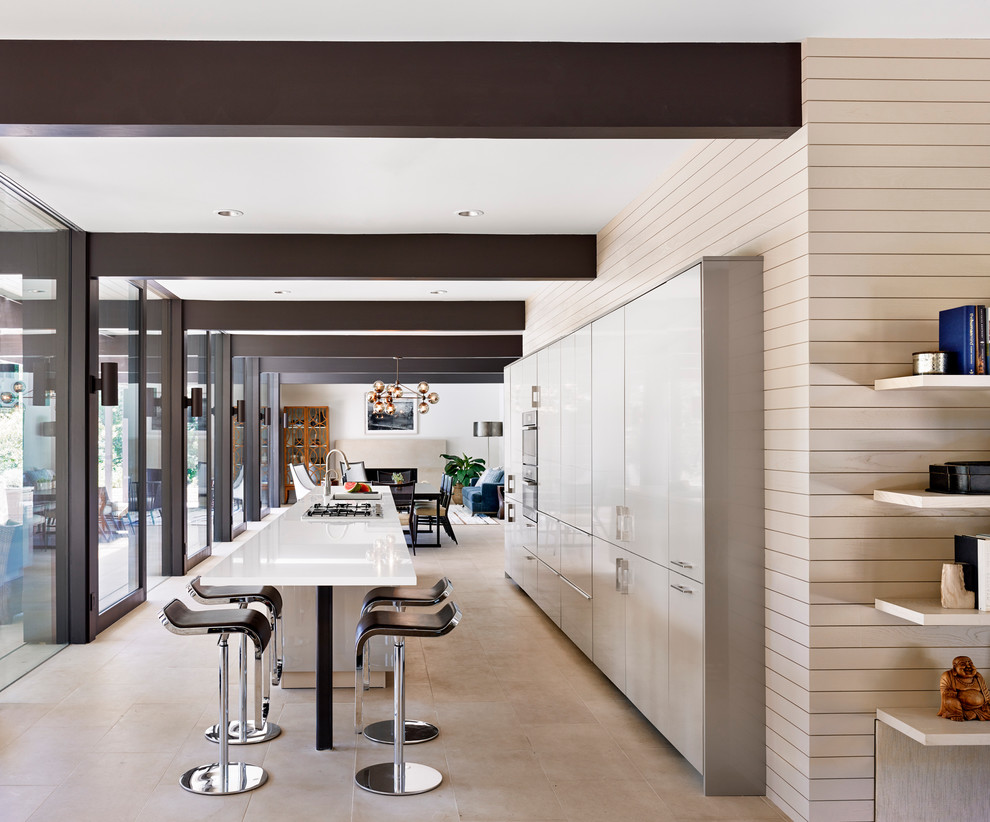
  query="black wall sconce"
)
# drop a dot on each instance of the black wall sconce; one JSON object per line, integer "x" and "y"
{"x": 239, "y": 412}
{"x": 106, "y": 384}
{"x": 194, "y": 402}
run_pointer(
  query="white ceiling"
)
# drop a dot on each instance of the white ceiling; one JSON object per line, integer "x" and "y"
{"x": 397, "y": 186}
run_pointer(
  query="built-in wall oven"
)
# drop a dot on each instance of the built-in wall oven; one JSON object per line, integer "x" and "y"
{"x": 530, "y": 475}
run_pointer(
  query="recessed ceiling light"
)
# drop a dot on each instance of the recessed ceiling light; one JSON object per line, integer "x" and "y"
{"x": 229, "y": 212}
{"x": 470, "y": 213}
{"x": 439, "y": 291}
{"x": 281, "y": 292}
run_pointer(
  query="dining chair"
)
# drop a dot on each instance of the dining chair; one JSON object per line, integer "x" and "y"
{"x": 353, "y": 472}
{"x": 402, "y": 496}
{"x": 301, "y": 478}
{"x": 428, "y": 511}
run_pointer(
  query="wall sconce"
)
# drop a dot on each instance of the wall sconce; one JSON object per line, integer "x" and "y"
{"x": 194, "y": 402}
{"x": 239, "y": 412}
{"x": 106, "y": 384}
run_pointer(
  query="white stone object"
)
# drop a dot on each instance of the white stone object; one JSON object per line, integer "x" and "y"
{"x": 954, "y": 593}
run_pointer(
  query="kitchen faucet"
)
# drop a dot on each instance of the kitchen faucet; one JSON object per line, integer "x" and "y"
{"x": 330, "y": 473}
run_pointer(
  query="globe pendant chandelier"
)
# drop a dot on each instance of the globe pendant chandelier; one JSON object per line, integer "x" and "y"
{"x": 382, "y": 397}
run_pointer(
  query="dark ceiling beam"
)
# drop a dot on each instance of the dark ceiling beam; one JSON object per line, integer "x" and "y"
{"x": 410, "y": 368}
{"x": 473, "y": 346}
{"x": 362, "y": 382}
{"x": 344, "y": 256}
{"x": 394, "y": 89}
{"x": 384, "y": 315}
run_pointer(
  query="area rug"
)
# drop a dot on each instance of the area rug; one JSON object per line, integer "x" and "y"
{"x": 460, "y": 515}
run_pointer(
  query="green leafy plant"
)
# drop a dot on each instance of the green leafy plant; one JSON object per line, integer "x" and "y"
{"x": 463, "y": 469}
{"x": 397, "y": 476}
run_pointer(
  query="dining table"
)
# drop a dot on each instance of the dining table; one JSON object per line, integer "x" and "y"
{"x": 297, "y": 550}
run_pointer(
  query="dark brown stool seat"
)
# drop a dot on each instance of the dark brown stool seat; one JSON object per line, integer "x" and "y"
{"x": 224, "y": 777}
{"x": 398, "y": 778}
{"x": 401, "y": 597}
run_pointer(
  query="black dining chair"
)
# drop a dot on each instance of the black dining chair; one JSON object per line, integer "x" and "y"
{"x": 402, "y": 496}
{"x": 428, "y": 511}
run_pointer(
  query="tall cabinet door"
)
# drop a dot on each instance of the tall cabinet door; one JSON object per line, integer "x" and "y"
{"x": 511, "y": 433}
{"x": 685, "y": 717}
{"x": 576, "y": 448}
{"x": 607, "y": 420}
{"x": 608, "y": 608}
{"x": 647, "y": 416}
{"x": 685, "y": 472}
{"x": 646, "y": 640}
{"x": 549, "y": 433}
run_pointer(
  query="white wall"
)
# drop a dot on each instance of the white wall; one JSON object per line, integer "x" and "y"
{"x": 452, "y": 419}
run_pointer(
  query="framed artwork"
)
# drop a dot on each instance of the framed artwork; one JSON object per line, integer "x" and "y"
{"x": 403, "y": 421}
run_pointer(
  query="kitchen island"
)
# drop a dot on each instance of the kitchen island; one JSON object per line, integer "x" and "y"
{"x": 307, "y": 559}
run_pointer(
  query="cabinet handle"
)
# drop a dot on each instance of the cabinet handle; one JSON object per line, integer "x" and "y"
{"x": 510, "y": 484}
{"x": 682, "y": 589}
{"x": 510, "y": 512}
{"x": 681, "y": 564}
{"x": 623, "y": 523}
{"x": 622, "y": 576}
{"x": 535, "y": 396}
{"x": 565, "y": 579}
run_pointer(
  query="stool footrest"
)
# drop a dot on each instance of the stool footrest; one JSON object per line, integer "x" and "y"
{"x": 416, "y": 731}
{"x": 413, "y": 778}
{"x": 209, "y": 779}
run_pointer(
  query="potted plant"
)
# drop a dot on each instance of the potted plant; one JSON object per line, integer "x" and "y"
{"x": 462, "y": 470}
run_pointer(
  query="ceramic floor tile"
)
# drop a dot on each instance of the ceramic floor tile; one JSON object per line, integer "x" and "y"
{"x": 16, "y": 718}
{"x": 503, "y": 785}
{"x": 611, "y": 800}
{"x": 18, "y": 802}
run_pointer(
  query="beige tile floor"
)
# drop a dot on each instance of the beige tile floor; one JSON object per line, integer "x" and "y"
{"x": 530, "y": 729}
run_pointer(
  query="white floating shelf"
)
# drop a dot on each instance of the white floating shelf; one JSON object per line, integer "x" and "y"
{"x": 924, "y": 725}
{"x": 933, "y": 381}
{"x": 931, "y": 499}
{"x": 931, "y": 612}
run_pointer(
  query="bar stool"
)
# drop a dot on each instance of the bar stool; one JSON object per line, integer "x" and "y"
{"x": 401, "y": 597}
{"x": 241, "y": 732}
{"x": 398, "y": 777}
{"x": 223, "y": 777}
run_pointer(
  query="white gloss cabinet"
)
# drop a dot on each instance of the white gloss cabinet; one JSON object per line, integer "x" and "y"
{"x": 575, "y": 429}
{"x": 677, "y": 594}
{"x": 549, "y": 430}
{"x": 608, "y": 448}
{"x": 608, "y": 624}
{"x": 647, "y": 422}
{"x": 685, "y": 647}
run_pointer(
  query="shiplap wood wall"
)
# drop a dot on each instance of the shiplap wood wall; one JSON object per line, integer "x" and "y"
{"x": 870, "y": 219}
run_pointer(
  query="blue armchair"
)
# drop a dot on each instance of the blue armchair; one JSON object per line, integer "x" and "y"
{"x": 482, "y": 497}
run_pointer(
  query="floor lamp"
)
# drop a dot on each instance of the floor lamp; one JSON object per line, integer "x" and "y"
{"x": 488, "y": 430}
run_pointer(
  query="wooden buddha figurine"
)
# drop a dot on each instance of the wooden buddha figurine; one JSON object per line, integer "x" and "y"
{"x": 964, "y": 692}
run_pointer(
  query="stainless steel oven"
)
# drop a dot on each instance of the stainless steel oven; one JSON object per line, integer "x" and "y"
{"x": 530, "y": 488}
{"x": 530, "y": 437}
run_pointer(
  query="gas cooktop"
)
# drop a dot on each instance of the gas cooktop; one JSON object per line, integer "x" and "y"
{"x": 351, "y": 510}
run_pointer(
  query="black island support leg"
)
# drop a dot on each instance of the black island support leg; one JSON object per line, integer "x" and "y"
{"x": 324, "y": 668}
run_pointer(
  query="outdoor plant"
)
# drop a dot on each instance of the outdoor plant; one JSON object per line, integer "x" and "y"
{"x": 463, "y": 469}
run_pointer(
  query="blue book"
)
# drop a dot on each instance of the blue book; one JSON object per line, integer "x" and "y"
{"x": 957, "y": 335}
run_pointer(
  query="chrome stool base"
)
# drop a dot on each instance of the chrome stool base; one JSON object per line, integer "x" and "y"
{"x": 208, "y": 779}
{"x": 269, "y": 730}
{"x": 414, "y": 778}
{"x": 416, "y": 731}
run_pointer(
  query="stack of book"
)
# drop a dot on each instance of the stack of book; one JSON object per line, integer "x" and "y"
{"x": 963, "y": 335}
{"x": 974, "y": 554}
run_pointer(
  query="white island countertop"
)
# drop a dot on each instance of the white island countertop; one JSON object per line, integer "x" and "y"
{"x": 333, "y": 551}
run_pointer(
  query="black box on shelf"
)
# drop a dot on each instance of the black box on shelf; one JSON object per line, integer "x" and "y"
{"x": 972, "y": 477}
{"x": 966, "y": 554}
